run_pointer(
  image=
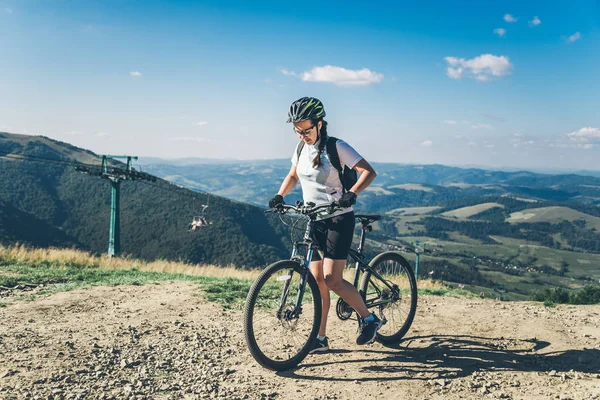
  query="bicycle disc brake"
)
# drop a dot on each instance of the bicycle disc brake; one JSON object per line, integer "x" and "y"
{"x": 287, "y": 318}
{"x": 343, "y": 309}
{"x": 389, "y": 297}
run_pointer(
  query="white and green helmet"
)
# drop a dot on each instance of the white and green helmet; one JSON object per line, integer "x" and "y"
{"x": 306, "y": 108}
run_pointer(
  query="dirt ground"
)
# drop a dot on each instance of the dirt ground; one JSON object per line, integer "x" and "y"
{"x": 165, "y": 341}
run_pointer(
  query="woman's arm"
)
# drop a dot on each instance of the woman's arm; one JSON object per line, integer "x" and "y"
{"x": 289, "y": 182}
{"x": 367, "y": 174}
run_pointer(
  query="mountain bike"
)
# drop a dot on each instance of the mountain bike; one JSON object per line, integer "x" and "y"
{"x": 282, "y": 312}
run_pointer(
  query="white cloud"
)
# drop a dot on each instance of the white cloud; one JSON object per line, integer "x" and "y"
{"x": 201, "y": 123}
{"x": 8, "y": 10}
{"x": 102, "y": 134}
{"x": 342, "y": 76}
{"x": 427, "y": 143}
{"x": 472, "y": 143}
{"x": 585, "y": 134}
{"x": 288, "y": 73}
{"x": 490, "y": 146}
{"x": 559, "y": 145}
{"x": 535, "y": 21}
{"x": 481, "y": 126}
{"x": 136, "y": 74}
{"x": 585, "y": 138}
{"x": 519, "y": 142}
{"x": 190, "y": 139}
{"x": 500, "y": 31}
{"x": 76, "y": 133}
{"x": 574, "y": 37}
{"x": 454, "y": 73}
{"x": 494, "y": 117}
{"x": 450, "y": 122}
{"x": 480, "y": 68}
{"x": 509, "y": 18}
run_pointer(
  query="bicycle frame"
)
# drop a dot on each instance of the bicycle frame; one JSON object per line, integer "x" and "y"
{"x": 356, "y": 255}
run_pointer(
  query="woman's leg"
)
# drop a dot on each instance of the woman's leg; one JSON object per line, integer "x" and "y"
{"x": 334, "y": 279}
{"x": 316, "y": 268}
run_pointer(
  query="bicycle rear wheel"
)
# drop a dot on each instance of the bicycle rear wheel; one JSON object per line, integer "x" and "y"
{"x": 399, "y": 303}
{"x": 278, "y": 334}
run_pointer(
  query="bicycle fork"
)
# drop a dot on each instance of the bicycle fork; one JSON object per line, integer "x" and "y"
{"x": 297, "y": 310}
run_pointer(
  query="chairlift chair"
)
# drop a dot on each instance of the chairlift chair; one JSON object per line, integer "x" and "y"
{"x": 200, "y": 220}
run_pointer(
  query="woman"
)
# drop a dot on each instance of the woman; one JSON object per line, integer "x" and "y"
{"x": 321, "y": 183}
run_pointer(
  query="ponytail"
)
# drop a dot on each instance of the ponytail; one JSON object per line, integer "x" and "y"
{"x": 322, "y": 143}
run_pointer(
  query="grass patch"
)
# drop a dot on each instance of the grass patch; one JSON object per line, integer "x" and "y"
{"x": 78, "y": 276}
{"x": 448, "y": 292}
{"x": 229, "y": 292}
{"x": 62, "y": 279}
{"x": 66, "y": 270}
{"x": 549, "y": 303}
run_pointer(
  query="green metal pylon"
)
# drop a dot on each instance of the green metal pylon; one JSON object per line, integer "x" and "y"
{"x": 114, "y": 232}
{"x": 116, "y": 176}
{"x": 418, "y": 256}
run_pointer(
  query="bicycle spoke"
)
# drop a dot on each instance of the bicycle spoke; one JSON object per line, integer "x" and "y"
{"x": 279, "y": 332}
{"x": 396, "y": 295}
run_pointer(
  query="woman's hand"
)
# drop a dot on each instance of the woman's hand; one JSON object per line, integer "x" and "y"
{"x": 347, "y": 199}
{"x": 276, "y": 201}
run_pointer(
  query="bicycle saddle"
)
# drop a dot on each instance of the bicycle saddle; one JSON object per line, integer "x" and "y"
{"x": 367, "y": 219}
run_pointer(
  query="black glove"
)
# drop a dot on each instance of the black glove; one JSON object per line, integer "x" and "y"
{"x": 347, "y": 199}
{"x": 276, "y": 201}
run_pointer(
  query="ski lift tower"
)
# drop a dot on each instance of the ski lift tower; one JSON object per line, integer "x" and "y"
{"x": 116, "y": 176}
{"x": 419, "y": 248}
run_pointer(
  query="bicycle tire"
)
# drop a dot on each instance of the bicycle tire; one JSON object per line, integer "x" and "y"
{"x": 395, "y": 267}
{"x": 263, "y": 339}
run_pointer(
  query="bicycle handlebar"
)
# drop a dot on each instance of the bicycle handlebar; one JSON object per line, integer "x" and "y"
{"x": 306, "y": 209}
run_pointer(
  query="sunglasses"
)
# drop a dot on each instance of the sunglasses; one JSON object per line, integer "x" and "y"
{"x": 303, "y": 132}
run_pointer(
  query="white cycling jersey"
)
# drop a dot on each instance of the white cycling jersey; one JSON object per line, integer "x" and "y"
{"x": 322, "y": 184}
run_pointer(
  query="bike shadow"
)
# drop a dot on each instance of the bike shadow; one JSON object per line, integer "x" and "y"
{"x": 450, "y": 357}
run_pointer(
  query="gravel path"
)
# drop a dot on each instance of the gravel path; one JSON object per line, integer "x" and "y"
{"x": 166, "y": 342}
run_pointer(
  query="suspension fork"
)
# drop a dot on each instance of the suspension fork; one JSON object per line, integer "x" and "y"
{"x": 303, "y": 276}
{"x": 303, "y": 279}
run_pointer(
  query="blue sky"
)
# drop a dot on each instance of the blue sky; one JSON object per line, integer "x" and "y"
{"x": 497, "y": 83}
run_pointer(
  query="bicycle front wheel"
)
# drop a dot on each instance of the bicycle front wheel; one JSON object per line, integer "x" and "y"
{"x": 279, "y": 329}
{"x": 396, "y": 303}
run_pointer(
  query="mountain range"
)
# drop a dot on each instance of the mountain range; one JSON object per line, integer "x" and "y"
{"x": 519, "y": 229}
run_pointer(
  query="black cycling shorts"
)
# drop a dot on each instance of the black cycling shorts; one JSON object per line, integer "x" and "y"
{"x": 334, "y": 236}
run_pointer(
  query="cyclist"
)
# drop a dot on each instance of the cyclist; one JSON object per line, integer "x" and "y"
{"x": 321, "y": 183}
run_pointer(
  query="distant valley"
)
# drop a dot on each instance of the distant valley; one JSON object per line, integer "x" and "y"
{"x": 505, "y": 233}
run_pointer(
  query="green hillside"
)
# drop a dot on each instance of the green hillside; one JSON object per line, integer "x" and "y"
{"x": 554, "y": 215}
{"x": 481, "y": 233}
{"x": 154, "y": 216}
{"x": 17, "y": 226}
{"x": 466, "y": 212}
{"x": 396, "y": 185}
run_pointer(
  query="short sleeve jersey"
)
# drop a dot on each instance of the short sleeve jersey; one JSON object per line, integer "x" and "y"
{"x": 322, "y": 184}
